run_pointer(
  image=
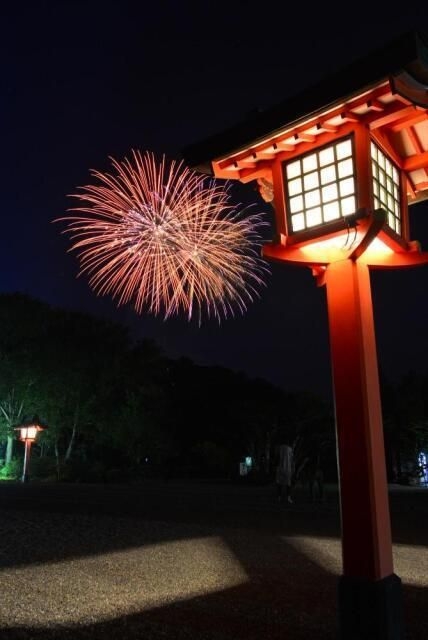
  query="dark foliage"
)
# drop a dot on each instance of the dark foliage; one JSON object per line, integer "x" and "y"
{"x": 120, "y": 411}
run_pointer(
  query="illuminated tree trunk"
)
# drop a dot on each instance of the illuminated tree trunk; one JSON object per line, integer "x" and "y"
{"x": 9, "y": 449}
{"x": 73, "y": 434}
{"x": 57, "y": 461}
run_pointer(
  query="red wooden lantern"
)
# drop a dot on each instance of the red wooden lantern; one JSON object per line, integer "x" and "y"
{"x": 341, "y": 164}
{"x": 28, "y": 431}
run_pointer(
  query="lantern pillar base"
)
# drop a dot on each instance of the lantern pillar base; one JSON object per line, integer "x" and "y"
{"x": 370, "y": 609}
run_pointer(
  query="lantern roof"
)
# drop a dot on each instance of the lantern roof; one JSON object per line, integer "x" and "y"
{"x": 32, "y": 422}
{"x": 387, "y": 90}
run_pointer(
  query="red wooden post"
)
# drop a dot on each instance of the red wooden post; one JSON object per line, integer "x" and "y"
{"x": 368, "y": 576}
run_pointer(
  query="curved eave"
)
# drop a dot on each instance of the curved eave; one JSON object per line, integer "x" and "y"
{"x": 403, "y": 62}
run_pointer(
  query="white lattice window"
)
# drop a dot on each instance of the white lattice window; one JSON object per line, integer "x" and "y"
{"x": 386, "y": 187}
{"x": 320, "y": 186}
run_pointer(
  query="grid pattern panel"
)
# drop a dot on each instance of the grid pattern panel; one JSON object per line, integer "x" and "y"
{"x": 386, "y": 187}
{"x": 321, "y": 186}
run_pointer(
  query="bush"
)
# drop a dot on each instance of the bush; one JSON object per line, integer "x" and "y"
{"x": 43, "y": 468}
{"x": 11, "y": 471}
{"x": 209, "y": 460}
{"x": 77, "y": 470}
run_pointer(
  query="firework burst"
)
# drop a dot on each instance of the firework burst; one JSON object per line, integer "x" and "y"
{"x": 163, "y": 237}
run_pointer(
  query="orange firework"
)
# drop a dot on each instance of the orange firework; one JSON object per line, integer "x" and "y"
{"x": 159, "y": 235}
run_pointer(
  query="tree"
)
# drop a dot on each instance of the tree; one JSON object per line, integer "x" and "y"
{"x": 81, "y": 356}
{"x": 55, "y": 363}
{"x": 23, "y": 326}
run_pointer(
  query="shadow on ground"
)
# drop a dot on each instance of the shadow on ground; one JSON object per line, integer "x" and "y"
{"x": 176, "y": 561}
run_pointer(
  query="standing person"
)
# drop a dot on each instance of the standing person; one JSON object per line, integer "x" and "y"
{"x": 284, "y": 473}
{"x": 310, "y": 474}
{"x": 317, "y": 485}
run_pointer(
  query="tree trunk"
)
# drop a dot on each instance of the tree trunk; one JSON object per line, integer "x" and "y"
{"x": 267, "y": 453}
{"x": 70, "y": 444}
{"x": 73, "y": 434}
{"x": 58, "y": 462}
{"x": 9, "y": 449}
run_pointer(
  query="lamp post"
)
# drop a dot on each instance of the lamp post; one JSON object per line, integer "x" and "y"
{"x": 28, "y": 431}
{"x": 341, "y": 164}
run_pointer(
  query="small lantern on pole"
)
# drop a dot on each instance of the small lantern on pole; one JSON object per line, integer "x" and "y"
{"x": 28, "y": 431}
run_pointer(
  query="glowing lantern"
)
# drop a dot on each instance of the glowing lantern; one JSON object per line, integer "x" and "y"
{"x": 27, "y": 434}
{"x": 341, "y": 163}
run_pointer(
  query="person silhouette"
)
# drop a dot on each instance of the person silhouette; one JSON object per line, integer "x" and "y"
{"x": 284, "y": 473}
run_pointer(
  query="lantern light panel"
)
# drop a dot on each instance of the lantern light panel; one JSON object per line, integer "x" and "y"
{"x": 321, "y": 186}
{"x": 29, "y": 433}
{"x": 386, "y": 187}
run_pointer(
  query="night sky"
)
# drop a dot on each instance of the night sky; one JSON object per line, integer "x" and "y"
{"x": 82, "y": 81}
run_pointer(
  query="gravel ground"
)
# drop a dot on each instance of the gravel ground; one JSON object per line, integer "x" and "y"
{"x": 179, "y": 560}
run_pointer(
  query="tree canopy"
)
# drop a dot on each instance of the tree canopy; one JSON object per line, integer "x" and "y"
{"x": 118, "y": 408}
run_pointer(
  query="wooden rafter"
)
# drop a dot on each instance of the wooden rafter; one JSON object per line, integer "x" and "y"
{"x": 390, "y": 115}
{"x": 417, "y": 161}
{"x": 382, "y": 138}
{"x": 413, "y": 137}
{"x": 350, "y": 116}
{"x": 325, "y": 126}
{"x": 375, "y": 105}
{"x": 404, "y": 123}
